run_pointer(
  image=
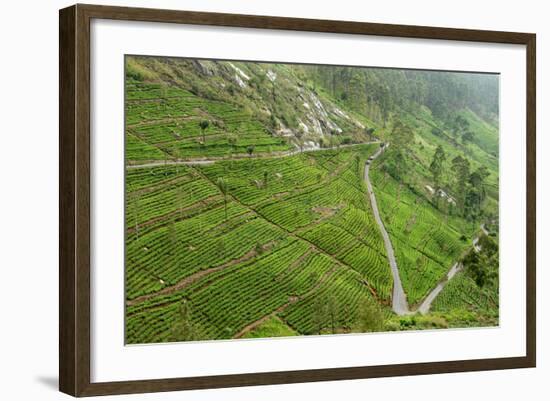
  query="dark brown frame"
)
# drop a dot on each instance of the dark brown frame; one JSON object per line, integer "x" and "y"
{"x": 74, "y": 199}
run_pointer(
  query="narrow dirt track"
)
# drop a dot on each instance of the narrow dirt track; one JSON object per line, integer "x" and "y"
{"x": 199, "y": 162}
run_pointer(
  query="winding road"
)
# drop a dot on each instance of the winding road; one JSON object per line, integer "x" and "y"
{"x": 427, "y": 302}
{"x": 399, "y": 299}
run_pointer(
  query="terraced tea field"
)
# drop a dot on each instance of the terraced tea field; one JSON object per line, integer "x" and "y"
{"x": 463, "y": 293}
{"x": 163, "y": 122}
{"x": 298, "y": 228}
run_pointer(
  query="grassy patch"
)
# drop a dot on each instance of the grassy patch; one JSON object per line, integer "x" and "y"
{"x": 273, "y": 327}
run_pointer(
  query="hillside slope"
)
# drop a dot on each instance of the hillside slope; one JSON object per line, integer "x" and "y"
{"x": 241, "y": 173}
{"x": 267, "y": 106}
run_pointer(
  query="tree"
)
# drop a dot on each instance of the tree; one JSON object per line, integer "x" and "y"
{"x": 401, "y": 136}
{"x": 232, "y": 141}
{"x": 472, "y": 204}
{"x": 370, "y": 317}
{"x": 204, "y": 124}
{"x": 300, "y": 138}
{"x": 460, "y": 125}
{"x": 333, "y": 310}
{"x": 468, "y": 136}
{"x": 436, "y": 166}
{"x": 250, "y": 150}
{"x": 333, "y": 132}
{"x": 477, "y": 180}
{"x": 461, "y": 171}
{"x": 370, "y": 133}
{"x": 385, "y": 103}
{"x": 482, "y": 266}
{"x": 266, "y": 178}
{"x": 476, "y": 192}
{"x": 184, "y": 329}
{"x": 319, "y": 314}
{"x": 224, "y": 188}
{"x": 437, "y": 131}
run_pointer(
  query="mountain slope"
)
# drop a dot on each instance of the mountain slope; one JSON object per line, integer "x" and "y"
{"x": 243, "y": 173}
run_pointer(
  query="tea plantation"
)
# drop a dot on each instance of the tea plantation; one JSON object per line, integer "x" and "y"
{"x": 248, "y": 215}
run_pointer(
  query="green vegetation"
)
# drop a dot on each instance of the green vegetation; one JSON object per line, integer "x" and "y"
{"x": 247, "y": 210}
{"x": 255, "y": 242}
{"x": 475, "y": 289}
{"x": 274, "y": 327}
{"x": 171, "y": 124}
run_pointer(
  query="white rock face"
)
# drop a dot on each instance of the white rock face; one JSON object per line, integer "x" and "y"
{"x": 340, "y": 113}
{"x": 315, "y": 123}
{"x": 239, "y": 71}
{"x": 239, "y": 81}
{"x": 311, "y": 145}
{"x": 318, "y": 116}
{"x": 334, "y": 126}
{"x": 318, "y": 105}
{"x": 284, "y": 131}
{"x": 304, "y": 127}
{"x": 271, "y": 75}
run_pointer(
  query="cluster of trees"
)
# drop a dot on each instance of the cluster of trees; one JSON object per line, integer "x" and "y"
{"x": 397, "y": 160}
{"x": 456, "y": 175}
{"x": 482, "y": 264}
{"x": 437, "y": 165}
{"x": 370, "y": 133}
{"x": 380, "y": 92}
{"x": 460, "y": 127}
{"x": 468, "y": 186}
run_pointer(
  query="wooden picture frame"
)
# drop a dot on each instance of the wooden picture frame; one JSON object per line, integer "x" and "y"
{"x": 74, "y": 199}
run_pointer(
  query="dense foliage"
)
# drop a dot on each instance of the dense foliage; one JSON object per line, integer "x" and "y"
{"x": 381, "y": 92}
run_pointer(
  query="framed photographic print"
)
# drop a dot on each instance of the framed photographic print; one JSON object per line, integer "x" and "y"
{"x": 250, "y": 200}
